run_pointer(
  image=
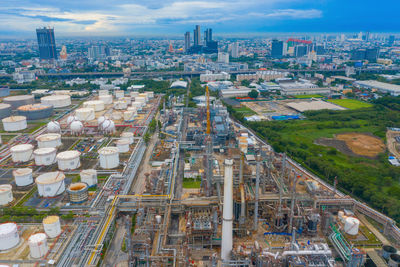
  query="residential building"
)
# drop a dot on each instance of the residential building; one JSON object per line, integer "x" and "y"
{"x": 235, "y": 50}
{"x": 277, "y": 49}
{"x": 223, "y": 57}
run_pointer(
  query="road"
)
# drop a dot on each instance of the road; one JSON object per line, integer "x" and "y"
{"x": 114, "y": 254}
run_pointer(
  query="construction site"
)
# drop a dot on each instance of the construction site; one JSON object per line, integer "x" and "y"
{"x": 200, "y": 189}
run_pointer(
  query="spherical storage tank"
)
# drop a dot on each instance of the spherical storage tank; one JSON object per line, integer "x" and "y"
{"x": 14, "y": 123}
{"x": 89, "y": 177}
{"x": 351, "y": 226}
{"x": 50, "y": 184}
{"x": 76, "y": 127}
{"x": 68, "y": 160}
{"x": 85, "y": 114}
{"x": 109, "y": 157}
{"x": 5, "y": 110}
{"x": 21, "y": 153}
{"x": 71, "y": 119}
{"x": 108, "y": 126}
{"x": 128, "y": 136}
{"x": 6, "y": 195}
{"x": 49, "y": 140}
{"x": 107, "y": 99}
{"x": 122, "y": 145}
{"x": 52, "y": 226}
{"x": 57, "y": 101}
{"x": 78, "y": 192}
{"x": 97, "y": 105}
{"x": 35, "y": 111}
{"x": 53, "y": 127}
{"x": 23, "y": 176}
{"x": 45, "y": 156}
{"x": 38, "y": 245}
{"x": 19, "y": 100}
{"x": 100, "y": 121}
{"x": 9, "y": 236}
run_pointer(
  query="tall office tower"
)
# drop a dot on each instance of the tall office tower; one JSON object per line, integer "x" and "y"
{"x": 367, "y": 36}
{"x": 197, "y": 36}
{"x": 301, "y": 50}
{"x": 187, "y": 41}
{"x": 97, "y": 52}
{"x": 391, "y": 40}
{"x": 372, "y": 54}
{"x": 47, "y": 43}
{"x": 277, "y": 49}
{"x": 208, "y": 35}
{"x": 235, "y": 50}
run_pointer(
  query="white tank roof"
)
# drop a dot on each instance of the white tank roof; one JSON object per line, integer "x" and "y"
{"x": 14, "y": 119}
{"x": 89, "y": 172}
{"x": 127, "y": 134}
{"x": 108, "y": 150}
{"x": 22, "y": 171}
{"x": 44, "y": 151}
{"x": 69, "y": 154}
{"x": 50, "y": 177}
{"x": 48, "y": 137}
{"x": 37, "y": 238}
{"x": 55, "y": 97}
{"x": 21, "y": 148}
{"x": 122, "y": 142}
{"x": 5, "y": 188}
{"x": 51, "y": 219}
{"x": 6, "y": 228}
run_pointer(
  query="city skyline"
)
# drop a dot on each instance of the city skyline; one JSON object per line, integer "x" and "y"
{"x": 126, "y": 18}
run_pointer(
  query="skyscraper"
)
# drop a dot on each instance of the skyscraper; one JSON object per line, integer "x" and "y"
{"x": 197, "y": 36}
{"x": 208, "y": 35}
{"x": 187, "y": 41}
{"x": 277, "y": 49}
{"x": 47, "y": 43}
{"x": 391, "y": 40}
{"x": 235, "y": 50}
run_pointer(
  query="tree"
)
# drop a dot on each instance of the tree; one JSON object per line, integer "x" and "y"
{"x": 253, "y": 94}
{"x": 146, "y": 138}
{"x": 245, "y": 83}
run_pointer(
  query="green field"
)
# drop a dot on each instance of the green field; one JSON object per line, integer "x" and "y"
{"x": 373, "y": 180}
{"x": 307, "y": 96}
{"x": 245, "y": 111}
{"x": 191, "y": 183}
{"x": 350, "y": 103}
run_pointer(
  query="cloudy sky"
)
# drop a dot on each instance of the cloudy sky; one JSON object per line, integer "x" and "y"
{"x": 164, "y": 17}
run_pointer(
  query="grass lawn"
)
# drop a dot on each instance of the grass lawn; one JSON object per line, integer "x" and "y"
{"x": 307, "y": 96}
{"x": 350, "y": 103}
{"x": 245, "y": 111}
{"x": 191, "y": 183}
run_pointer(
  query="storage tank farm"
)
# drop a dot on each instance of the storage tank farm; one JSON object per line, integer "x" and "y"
{"x": 52, "y": 226}
{"x": 9, "y": 236}
{"x": 23, "y": 176}
{"x": 19, "y": 100}
{"x": 14, "y": 123}
{"x": 57, "y": 101}
{"x": 35, "y": 111}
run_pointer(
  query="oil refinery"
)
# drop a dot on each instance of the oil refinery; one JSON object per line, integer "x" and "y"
{"x": 128, "y": 178}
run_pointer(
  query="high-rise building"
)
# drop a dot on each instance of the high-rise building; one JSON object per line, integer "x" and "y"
{"x": 372, "y": 54}
{"x": 98, "y": 52}
{"x": 223, "y": 57}
{"x": 300, "y": 50}
{"x": 391, "y": 40}
{"x": 187, "y": 41}
{"x": 47, "y": 43}
{"x": 208, "y": 35}
{"x": 197, "y": 36}
{"x": 235, "y": 50}
{"x": 277, "y": 49}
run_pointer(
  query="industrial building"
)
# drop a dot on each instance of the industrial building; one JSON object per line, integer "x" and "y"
{"x": 385, "y": 88}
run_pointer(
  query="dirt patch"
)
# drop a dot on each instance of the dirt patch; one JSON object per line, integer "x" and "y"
{"x": 355, "y": 144}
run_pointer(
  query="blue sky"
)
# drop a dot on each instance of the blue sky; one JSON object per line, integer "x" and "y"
{"x": 163, "y": 17}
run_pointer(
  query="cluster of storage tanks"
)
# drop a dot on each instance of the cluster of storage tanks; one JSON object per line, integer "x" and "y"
{"x": 351, "y": 224}
{"x": 38, "y": 246}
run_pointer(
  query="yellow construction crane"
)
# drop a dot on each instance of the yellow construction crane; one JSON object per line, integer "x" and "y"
{"x": 208, "y": 112}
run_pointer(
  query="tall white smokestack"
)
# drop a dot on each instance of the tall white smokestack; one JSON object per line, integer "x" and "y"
{"x": 226, "y": 246}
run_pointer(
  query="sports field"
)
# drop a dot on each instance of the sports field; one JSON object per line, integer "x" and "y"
{"x": 350, "y": 103}
{"x": 307, "y": 96}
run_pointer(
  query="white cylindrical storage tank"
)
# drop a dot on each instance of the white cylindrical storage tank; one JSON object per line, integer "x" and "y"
{"x": 137, "y": 105}
{"x": 122, "y": 145}
{"x": 126, "y": 99}
{"x": 78, "y": 192}
{"x": 107, "y": 99}
{"x": 141, "y": 99}
{"x": 146, "y": 97}
{"x": 76, "y": 127}
{"x": 85, "y": 114}
{"x": 116, "y": 115}
{"x": 150, "y": 94}
{"x": 134, "y": 94}
{"x": 9, "y": 236}
{"x": 129, "y": 115}
{"x": 53, "y": 127}
{"x": 14, "y": 123}
{"x": 45, "y": 156}
{"x": 68, "y": 160}
{"x": 128, "y": 136}
{"x": 50, "y": 184}
{"x": 52, "y": 226}
{"x": 89, "y": 177}
{"x": 49, "y": 140}
{"x": 119, "y": 94}
{"x": 109, "y": 157}
{"x": 132, "y": 109}
{"x": 23, "y": 176}
{"x": 103, "y": 92}
{"x": 21, "y": 153}
{"x": 57, "y": 101}
{"x": 6, "y": 195}
{"x": 97, "y": 105}
{"x": 120, "y": 105}
{"x": 158, "y": 219}
{"x": 19, "y": 100}
{"x": 351, "y": 226}
{"x": 108, "y": 126}
{"x": 38, "y": 245}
